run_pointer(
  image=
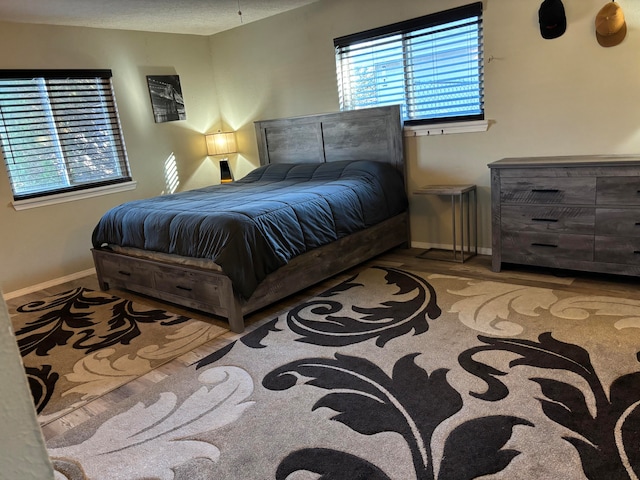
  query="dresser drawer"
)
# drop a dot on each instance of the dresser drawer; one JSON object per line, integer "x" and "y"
{"x": 618, "y": 191}
{"x": 132, "y": 272}
{"x": 525, "y": 247}
{"x": 547, "y": 190}
{"x": 191, "y": 285}
{"x": 623, "y": 250}
{"x": 548, "y": 219}
{"x": 618, "y": 221}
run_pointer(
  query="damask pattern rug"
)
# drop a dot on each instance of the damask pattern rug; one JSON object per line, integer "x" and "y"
{"x": 81, "y": 344}
{"x": 392, "y": 375}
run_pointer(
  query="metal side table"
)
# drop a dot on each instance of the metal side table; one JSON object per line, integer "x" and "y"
{"x": 461, "y": 195}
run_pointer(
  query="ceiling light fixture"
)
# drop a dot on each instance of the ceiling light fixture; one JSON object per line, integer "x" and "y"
{"x": 239, "y": 11}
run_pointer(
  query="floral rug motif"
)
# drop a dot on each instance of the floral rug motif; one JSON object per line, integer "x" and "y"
{"x": 392, "y": 375}
{"x": 81, "y": 344}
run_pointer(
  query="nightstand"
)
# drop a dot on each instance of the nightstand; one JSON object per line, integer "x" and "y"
{"x": 468, "y": 217}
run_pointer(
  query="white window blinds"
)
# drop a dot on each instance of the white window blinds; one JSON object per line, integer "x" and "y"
{"x": 431, "y": 66}
{"x": 60, "y": 131}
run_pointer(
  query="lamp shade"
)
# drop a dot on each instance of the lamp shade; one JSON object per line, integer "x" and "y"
{"x": 221, "y": 143}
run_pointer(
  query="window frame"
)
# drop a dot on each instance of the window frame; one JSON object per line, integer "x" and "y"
{"x": 404, "y": 29}
{"x": 67, "y": 116}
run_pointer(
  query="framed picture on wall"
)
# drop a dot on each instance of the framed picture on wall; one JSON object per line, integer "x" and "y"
{"x": 166, "y": 98}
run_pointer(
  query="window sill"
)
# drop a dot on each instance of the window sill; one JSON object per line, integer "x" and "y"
{"x": 72, "y": 196}
{"x": 446, "y": 128}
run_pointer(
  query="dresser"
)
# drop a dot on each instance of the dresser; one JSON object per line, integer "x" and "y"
{"x": 577, "y": 212}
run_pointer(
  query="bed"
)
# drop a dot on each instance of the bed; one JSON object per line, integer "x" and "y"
{"x": 296, "y": 154}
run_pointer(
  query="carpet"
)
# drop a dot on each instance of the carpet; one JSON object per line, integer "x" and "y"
{"x": 81, "y": 344}
{"x": 392, "y": 375}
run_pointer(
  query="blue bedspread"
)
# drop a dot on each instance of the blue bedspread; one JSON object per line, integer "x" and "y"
{"x": 255, "y": 225}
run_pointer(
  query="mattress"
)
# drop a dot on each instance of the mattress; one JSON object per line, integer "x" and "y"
{"x": 253, "y": 226}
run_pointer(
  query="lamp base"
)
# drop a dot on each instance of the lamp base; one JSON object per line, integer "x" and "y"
{"x": 226, "y": 175}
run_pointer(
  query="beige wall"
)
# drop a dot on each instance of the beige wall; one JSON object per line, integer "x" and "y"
{"x": 49, "y": 242}
{"x": 542, "y": 97}
{"x": 22, "y": 452}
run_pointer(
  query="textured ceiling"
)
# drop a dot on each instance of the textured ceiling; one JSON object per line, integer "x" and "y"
{"x": 197, "y": 17}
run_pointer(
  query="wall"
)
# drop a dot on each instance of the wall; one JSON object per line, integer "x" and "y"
{"x": 542, "y": 97}
{"x": 49, "y": 242}
{"x": 22, "y": 452}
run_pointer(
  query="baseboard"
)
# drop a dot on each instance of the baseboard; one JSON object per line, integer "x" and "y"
{"x": 426, "y": 246}
{"x": 50, "y": 283}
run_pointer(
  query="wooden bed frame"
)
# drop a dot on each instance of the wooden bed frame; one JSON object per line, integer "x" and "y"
{"x": 371, "y": 134}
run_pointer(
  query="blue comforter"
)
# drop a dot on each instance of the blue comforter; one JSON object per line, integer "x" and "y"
{"x": 255, "y": 225}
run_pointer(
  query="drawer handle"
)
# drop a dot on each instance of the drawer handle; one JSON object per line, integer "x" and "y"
{"x": 550, "y": 245}
{"x": 550, "y": 220}
{"x": 545, "y": 190}
{"x": 121, "y": 272}
{"x": 180, "y": 287}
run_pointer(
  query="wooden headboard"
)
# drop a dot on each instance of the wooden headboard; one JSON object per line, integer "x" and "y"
{"x": 368, "y": 134}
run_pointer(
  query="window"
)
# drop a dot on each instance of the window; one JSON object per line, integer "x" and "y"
{"x": 431, "y": 66}
{"x": 60, "y": 131}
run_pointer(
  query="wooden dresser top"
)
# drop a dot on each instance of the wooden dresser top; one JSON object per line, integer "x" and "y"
{"x": 569, "y": 161}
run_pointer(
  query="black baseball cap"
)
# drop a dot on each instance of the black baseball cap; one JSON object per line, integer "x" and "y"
{"x": 553, "y": 21}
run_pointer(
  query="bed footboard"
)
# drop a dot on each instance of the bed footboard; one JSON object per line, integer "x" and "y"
{"x": 196, "y": 288}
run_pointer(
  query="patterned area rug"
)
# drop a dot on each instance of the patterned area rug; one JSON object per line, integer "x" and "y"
{"x": 81, "y": 344}
{"x": 392, "y": 375}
